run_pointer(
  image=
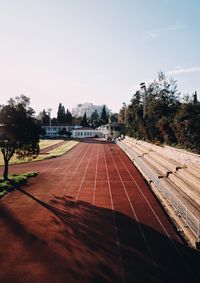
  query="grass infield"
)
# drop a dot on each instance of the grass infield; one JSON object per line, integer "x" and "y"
{"x": 58, "y": 151}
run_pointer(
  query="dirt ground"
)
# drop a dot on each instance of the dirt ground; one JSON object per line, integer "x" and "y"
{"x": 89, "y": 217}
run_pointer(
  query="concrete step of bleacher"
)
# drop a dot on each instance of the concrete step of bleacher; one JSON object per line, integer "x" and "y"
{"x": 163, "y": 171}
{"x": 171, "y": 165}
{"x": 189, "y": 179}
{"x": 185, "y": 188}
{"x": 174, "y": 192}
{"x": 194, "y": 170}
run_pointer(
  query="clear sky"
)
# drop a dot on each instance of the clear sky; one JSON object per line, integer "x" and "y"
{"x": 76, "y": 51}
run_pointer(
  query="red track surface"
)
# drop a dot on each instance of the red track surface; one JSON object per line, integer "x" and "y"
{"x": 89, "y": 217}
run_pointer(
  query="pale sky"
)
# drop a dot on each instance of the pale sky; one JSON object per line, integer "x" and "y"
{"x": 99, "y": 51}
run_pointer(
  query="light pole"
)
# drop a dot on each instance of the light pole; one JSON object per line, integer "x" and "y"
{"x": 49, "y": 112}
{"x": 143, "y": 87}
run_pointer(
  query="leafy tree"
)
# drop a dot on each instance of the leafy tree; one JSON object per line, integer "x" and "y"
{"x": 19, "y": 131}
{"x": 186, "y": 124}
{"x": 84, "y": 121}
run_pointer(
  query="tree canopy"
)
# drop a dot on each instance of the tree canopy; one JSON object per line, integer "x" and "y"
{"x": 168, "y": 119}
{"x": 19, "y": 131}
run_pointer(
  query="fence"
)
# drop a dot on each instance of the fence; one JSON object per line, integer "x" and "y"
{"x": 181, "y": 209}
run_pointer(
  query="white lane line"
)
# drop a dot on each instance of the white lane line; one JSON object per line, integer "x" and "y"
{"x": 60, "y": 166}
{"x": 135, "y": 216}
{"x": 53, "y": 162}
{"x": 160, "y": 222}
{"x": 77, "y": 167}
{"x": 86, "y": 168}
{"x": 150, "y": 206}
{"x": 95, "y": 180}
{"x": 114, "y": 220}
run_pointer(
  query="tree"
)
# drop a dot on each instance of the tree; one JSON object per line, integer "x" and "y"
{"x": 114, "y": 117}
{"x": 19, "y": 131}
{"x": 186, "y": 124}
{"x": 84, "y": 121}
{"x": 64, "y": 132}
{"x": 94, "y": 120}
{"x": 122, "y": 114}
{"x": 44, "y": 117}
{"x": 162, "y": 105}
{"x": 68, "y": 117}
{"x": 135, "y": 123}
{"x": 94, "y": 116}
{"x": 61, "y": 113}
{"x": 104, "y": 117}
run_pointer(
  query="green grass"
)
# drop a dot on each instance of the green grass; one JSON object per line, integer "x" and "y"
{"x": 60, "y": 150}
{"x": 15, "y": 181}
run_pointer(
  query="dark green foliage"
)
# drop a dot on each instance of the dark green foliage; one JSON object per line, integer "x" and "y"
{"x": 64, "y": 132}
{"x": 94, "y": 116}
{"x": 61, "y": 114}
{"x": 114, "y": 118}
{"x": 68, "y": 117}
{"x": 104, "y": 116}
{"x": 187, "y": 125}
{"x": 19, "y": 132}
{"x": 167, "y": 120}
{"x": 45, "y": 118}
{"x": 94, "y": 120}
{"x": 84, "y": 121}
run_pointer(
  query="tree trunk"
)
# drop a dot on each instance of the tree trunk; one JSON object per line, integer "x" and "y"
{"x": 5, "y": 173}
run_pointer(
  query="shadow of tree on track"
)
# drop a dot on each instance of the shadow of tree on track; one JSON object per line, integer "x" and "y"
{"x": 86, "y": 248}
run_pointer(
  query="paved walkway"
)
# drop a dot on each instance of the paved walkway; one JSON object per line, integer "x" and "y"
{"x": 89, "y": 217}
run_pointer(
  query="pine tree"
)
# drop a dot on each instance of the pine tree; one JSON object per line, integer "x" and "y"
{"x": 104, "y": 116}
{"x": 68, "y": 117}
{"x": 84, "y": 121}
{"x": 61, "y": 113}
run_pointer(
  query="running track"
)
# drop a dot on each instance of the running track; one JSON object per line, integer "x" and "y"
{"x": 89, "y": 217}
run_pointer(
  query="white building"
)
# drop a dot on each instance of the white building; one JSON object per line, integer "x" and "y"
{"x": 111, "y": 130}
{"x": 87, "y": 133}
{"x": 77, "y": 131}
{"x": 52, "y": 130}
{"x": 88, "y": 108}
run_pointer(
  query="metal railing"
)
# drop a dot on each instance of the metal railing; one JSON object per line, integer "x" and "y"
{"x": 191, "y": 221}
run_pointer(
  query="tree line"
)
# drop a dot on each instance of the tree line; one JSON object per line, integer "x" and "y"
{"x": 159, "y": 114}
{"x": 65, "y": 117}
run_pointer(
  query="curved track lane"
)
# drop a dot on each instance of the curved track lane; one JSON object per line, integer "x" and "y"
{"x": 89, "y": 217}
